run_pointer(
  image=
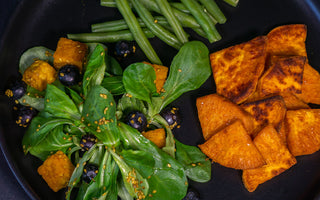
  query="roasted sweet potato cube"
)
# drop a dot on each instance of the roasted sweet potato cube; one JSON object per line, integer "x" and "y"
{"x": 293, "y": 102}
{"x": 69, "y": 52}
{"x": 56, "y": 170}
{"x": 236, "y": 69}
{"x": 285, "y": 75}
{"x": 161, "y": 75}
{"x": 283, "y": 132}
{"x": 216, "y": 112}
{"x": 303, "y": 131}
{"x": 157, "y": 136}
{"x": 287, "y": 40}
{"x": 276, "y": 155}
{"x": 271, "y": 110}
{"x": 39, "y": 74}
{"x": 233, "y": 147}
{"x": 310, "y": 86}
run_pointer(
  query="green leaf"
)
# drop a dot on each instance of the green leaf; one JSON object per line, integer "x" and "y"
{"x": 99, "y": 115}
{"x": 122, "y": 190}
{"x": 140, "y": 160}
{"x": 77, "y": 99}
{"x": 139, "y": 81}
{"x": 59, "y": 104}
{"x": 35, "y": 53}
{"x": 38, "y": 130}
{"x": 54, "y": 141}
{"x": 189, "y": 69}
{"x": 113, "y": 66}
{"x": 37, "y": 103}
{"x": 136, "y": 185}
{"x": 195, "y": 163}
{"x": 114, "y": 84}
{"x": 127, "y": 104}
{"x": 95, "y": 69}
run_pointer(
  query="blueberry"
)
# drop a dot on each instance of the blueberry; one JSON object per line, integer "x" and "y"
{"x": 172, "y": 116}
{"x": 89, "y": 172}
{"x": 137, "y": 120}
{"x": 87, "y": 141}
{"x": 124, "y": 48}
{"x": 192, "y": 194}
{"x": 16, "y": 89}
{"x": 69, "y": 75}
{"x": 25, "y": 115}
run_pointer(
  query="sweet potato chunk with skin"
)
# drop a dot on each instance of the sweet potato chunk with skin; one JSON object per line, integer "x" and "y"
{"x": 161, "y": 75}
{"x": 39, "y": 74}
{"x": 283, "y": 132}
{"x": 293, "y": 102}
{"x": 276, "y": 155}
{"x": 236, "y": 69}
{"x": 271, "y": 110}
{"x": 310, "y": 86}
{"x": 216, "y": 112}
{"x": 69, "y": 52}
{"x": 303, "y": 131}
{"x": 287, "y": 40}
{"x": 56, "y": 171}
{"x": 285, "y": 75}
{"x": 233, "y": 147}
{"x": 157, "y": 136}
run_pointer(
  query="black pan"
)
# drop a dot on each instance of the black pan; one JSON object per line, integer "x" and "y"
{"x": 38, "y": 22}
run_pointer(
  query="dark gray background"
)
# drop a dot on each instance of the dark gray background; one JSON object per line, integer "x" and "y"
{"x": 9, "y": 186}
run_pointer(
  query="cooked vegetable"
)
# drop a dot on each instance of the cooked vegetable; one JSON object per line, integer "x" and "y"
{"x": 39, "y": 74}
{"x": 56, "y": 170}
{"x": 161, "y": 76}
{"x": 214, "y": 10}
{"x": 136, "y": 31}
{"x": 123, "y": 48}
{"x": 69, "y": 52}
{"x": 157, "y": 136}
{"x": 69, "y": 75}
{"x": 16, "y": 89}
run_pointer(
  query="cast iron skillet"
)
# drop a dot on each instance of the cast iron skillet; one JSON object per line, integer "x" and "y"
{"x": 38, "y": 22}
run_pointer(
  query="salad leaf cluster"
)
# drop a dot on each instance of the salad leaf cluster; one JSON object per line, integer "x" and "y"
{"x": 130, "y": 166}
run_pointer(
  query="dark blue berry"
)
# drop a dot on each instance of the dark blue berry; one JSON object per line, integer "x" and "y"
{"x": 87, "y": 141}
{"x": 89, "y": 172}
{"x": 16, "y": 89}
{"x": 69, "y": 75}
{"x": 137, "y": 120}
{"x": 25, "y": 115}
{"x": 192, "y": 194}
{"x": 124, "y": 48}
{"x": 172, "y": 116}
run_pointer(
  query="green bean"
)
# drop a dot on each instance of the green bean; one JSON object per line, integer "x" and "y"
{"x": 121, "y": 24}
{"x": 157, "y": 29}
{"x": 108, "y": 3}
{"x": 203, "y": 19}
{"x": 172, "y": 19}
{"x": 233, "y": 3}
{"x": 180, "y": 7}
{"x": 139, "y": 36}
{"x": 214, "y": 10}
{"x": 107, "y": 37}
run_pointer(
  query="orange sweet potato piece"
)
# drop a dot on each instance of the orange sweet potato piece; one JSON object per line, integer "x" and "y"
{"x": 293, "y": 102}
{"x": 39, "y": 74}
{"x": 56, "y": 170}
{"x": 303, "y": 131}
{"x": 69, "y": 52}
{"x": 310, "y": 86}
{"x": 233, "y": 147}
{"x": 271, "y": 110}
{"x": 161, "y": 75}
{"x": 157, "y": 136}
{"x": 287, "y": 40}
{"x": 276, "y": 155}
{"x": 236, "y": 69}
{"x": 216, "y": 112}
{"x": 285, "y": 75}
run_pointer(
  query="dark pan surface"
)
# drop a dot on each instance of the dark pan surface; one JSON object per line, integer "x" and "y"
{"x": 38, "y": 22}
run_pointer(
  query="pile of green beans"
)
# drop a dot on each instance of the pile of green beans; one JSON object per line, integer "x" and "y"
{"x": 144, "y": 19}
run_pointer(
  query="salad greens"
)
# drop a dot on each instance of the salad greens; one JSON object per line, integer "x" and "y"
{"x": 130, "y": 165}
